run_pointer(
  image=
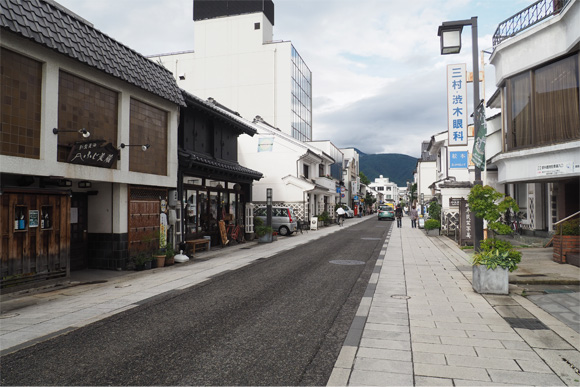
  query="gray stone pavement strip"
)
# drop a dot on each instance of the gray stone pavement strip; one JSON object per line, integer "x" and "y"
{"x": 457, "y": 337}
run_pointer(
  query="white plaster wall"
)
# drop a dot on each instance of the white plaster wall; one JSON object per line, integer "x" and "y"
{"x": 239, "y": 67}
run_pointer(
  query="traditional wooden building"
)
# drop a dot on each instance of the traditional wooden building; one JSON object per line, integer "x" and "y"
{"x": 88, "y": 150}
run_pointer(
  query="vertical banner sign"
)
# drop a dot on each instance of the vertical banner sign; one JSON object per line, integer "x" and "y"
{"x": 478, "y": 155}
{"x": 466, "y": 223}
{"x": 457, "y": 104}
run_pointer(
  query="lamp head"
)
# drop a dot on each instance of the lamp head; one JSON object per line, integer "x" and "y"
{"x": 145, "y": 147}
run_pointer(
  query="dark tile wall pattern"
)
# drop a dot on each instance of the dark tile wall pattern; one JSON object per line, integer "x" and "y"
{"x": 21, "y": 103}
{"x": 83, "y": 104}
{"x": 148, "y": 126}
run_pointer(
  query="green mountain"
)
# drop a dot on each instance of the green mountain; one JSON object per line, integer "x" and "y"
{"x": 397, "y": 167}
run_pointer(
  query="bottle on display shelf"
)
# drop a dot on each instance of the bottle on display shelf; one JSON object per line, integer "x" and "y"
{"x": 46, "y": 220}
{"x": 41, "y": 219}
{"x": 21, "y": 223}
{"x": 16, "y": 221}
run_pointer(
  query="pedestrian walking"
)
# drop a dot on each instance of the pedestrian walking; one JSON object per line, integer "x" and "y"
{"x": 414, "y": 216}
{"x": 399, "y": 216}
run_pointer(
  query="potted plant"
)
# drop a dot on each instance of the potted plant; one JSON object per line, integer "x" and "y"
{"x": 159, "y": 257}
{"x": 432, "y": 227}
{"x": 323, "y": 218}
{"x": 496, "y": 258}
{"x": 142, "y": 261}
{"x": 169, "y": 255}
{"x": 566, "y": 240}
{"x": 263, "y": 232}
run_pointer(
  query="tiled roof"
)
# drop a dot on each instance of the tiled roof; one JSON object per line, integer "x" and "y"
{"x": 216, "y": 108}
{"x": 189, "y": 160}
{"x": 52, "y": 27}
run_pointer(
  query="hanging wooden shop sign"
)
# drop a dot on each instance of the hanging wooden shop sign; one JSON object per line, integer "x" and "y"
{"x": 93, "y": 153}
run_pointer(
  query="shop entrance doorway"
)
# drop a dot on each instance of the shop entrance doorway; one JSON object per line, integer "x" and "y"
{"x": 78, "y": 232}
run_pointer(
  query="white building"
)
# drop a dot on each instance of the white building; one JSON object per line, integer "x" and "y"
{"x": 298, "y": 173}
{"x": 388, "y": 189}
{"x": 536, "y": 71}
{"x": 236, "y": 61}
{"x": 351, "y": 177}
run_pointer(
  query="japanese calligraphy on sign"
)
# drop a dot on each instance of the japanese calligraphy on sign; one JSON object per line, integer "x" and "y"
{"x": 457, "y": 104}
{"x": 466, "y": 224}
{"x": 93, "y": 153}
{"x": 458, "y": 159}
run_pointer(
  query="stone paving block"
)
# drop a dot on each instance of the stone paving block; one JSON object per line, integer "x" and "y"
{"x": 386, "y": 344}
{"x": 555, "y": 360}
{"x": 423, "y": 323}
{"x": 446, "y": 371}
{"x": 471, "y": 342}
{"x": 521, "y": 345}
{"x": 374, "y": 378}
{"x": 427, "y": 381}
{"x": 429, "y": 358}
{"x": 534, "y": 366}
{"x": 394, "y": 366}
{"x": 438, "y": 332}
{"x": 386, "y": 335}
{"x": 463, "y": 327}
{"x": 506, "y": 353}
{"x": 482, "y": 362}
{"x": 444, "y": 348}
{"x": 346, "y": 357}
{"x": 503, "y": 336}
{"x": 385, "y": 354}
{"x": 339, "y": 377}
{"x": 392, "y": 321}
{"x": 543, "y": 338}
{"x": 427, "y": 339}
{"x": 526, "y": 378}
{"x": 387, "y": 327}
{"x": 461, "y": 382}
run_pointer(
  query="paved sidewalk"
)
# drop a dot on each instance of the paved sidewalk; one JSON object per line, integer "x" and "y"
{"x": 421, "y": 323}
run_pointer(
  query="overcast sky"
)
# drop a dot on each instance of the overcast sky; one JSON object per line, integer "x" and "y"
{"x": 379, "y": 81}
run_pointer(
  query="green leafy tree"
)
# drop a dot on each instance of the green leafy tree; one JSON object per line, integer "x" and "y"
{"x": 489, "y": 204}
{"x": 363, "y": 179}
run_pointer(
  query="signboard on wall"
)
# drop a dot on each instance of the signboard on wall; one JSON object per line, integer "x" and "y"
{"x": 466, "y": 223}
{"x": 458, "y": 160}
{"x": 457, "y": 104}
{"x": 93, "y": 153}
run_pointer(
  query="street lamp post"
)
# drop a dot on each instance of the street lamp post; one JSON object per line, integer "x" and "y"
{"x": 450, "y": 33}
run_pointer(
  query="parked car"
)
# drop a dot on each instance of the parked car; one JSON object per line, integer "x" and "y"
{"x": 283, "y": 219}
{"x": 348, "y": 211}
{"x": 386, "y": 212}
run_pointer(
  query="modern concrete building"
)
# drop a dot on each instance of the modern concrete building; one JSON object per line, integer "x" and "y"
{"x": 237, "y": 62}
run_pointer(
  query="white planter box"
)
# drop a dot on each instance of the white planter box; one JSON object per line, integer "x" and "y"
{"x": 265, "y": 238}
{"x": 433, "y": 232}
{"x": 490, "y": 281}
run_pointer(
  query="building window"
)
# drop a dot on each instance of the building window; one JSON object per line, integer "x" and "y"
{"x": 301, "y": 90}
{"x": 148, "y": 125}
{"x": 83, "y": 104}
{"x": 256, "y": 26}
{"x": 21, "y": 105}
{"x": 305, "y": 171}
{"x": 543, "y": 105}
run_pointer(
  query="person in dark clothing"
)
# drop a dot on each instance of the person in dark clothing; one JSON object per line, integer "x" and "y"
{"x": 399, "y": 215}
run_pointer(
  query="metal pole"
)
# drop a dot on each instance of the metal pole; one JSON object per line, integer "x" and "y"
{"x": 478, "y": 226}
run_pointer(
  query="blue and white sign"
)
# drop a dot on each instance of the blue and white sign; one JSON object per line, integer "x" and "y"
{"x": 457, "y": 104}
{"x": 458, "y": 159}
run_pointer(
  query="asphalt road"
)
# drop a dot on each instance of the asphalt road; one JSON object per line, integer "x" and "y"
{"x": 281, "y": 321}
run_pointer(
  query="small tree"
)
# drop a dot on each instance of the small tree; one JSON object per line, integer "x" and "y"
{"x": 486, "y": 204}
{"x": 364, "y": 179}
{"x": 435, "y": 210}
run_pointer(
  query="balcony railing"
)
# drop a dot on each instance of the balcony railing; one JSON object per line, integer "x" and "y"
{"x": 530, "y": 16}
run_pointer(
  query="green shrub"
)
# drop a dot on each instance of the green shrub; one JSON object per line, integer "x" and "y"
{"x": 324, "y": 217}
{"x": 494, "y": 258}
{"x": 432, "y": 224}
{"x": 492, "y": 244}
{"x": 569, "y": 227}
{"x": 434, "y": 210}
